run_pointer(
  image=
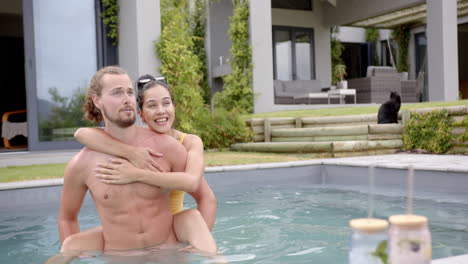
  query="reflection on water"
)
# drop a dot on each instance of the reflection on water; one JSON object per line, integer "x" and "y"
{"x": 261, "y": 225}
{"x": 157, "y": 256}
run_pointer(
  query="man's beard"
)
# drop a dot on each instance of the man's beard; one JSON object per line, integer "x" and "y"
{"x": 122, "y": 123}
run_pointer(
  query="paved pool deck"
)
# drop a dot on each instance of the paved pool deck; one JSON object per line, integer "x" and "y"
{"x": 449, "y": 163}
{"x": 22, "y": 158}
{"x": 454, "y": 163}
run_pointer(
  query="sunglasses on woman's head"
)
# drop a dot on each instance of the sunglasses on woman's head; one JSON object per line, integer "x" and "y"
{"x": 161, "y": 79}
{"x": 142, "y": 82}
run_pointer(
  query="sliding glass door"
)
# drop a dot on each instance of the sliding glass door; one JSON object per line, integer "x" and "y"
{"x": 61, "y": 57}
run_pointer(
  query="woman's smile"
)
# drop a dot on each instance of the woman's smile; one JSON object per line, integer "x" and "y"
{"x": 161, "y": 121}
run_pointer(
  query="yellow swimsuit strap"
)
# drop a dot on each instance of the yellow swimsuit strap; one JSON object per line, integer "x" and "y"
{"x": 176, "y": 198}
{"x": 181, "y": 139}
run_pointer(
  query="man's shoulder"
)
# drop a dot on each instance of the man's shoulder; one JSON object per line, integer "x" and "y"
{"x": 85, "y": 153}
{"x": 76, "y": 168}
{"x": 193, "y": 142}
{"x": 82, "y": 158}
{"x": 192, "y": 138}
{"x": 160, "y": 139}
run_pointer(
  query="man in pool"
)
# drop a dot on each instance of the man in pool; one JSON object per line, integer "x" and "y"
{"x": 133, "y": 215}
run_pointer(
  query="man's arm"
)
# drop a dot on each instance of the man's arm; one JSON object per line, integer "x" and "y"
{"x": 73, "y": 193}
{"x": 187, "y": 166}
{"x": 203, "y": 195}
{"x": 206, "y": 203}
{"x": 119, "y": 171}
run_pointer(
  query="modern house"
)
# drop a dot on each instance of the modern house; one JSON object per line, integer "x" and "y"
{"x": 51, "y": 48}
{"x": 294, "y": 24}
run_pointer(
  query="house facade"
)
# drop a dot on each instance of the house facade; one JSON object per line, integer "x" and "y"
{"x": 50, "y": 51}
{"x": 439, "y": 19}
{"x": 53, "y": 47}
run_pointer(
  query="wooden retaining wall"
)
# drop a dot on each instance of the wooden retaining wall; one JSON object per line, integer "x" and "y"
{"x": 338, "y": 135}
{"x": 460, "y": 146}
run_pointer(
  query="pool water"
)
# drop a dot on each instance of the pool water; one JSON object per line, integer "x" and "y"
{"x": 254, "y": 225}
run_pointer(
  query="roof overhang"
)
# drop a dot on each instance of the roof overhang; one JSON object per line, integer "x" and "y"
{"x": 331, "y": 2}
{"x": 413, "y": 15}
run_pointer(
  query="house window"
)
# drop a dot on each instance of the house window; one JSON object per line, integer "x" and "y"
{"x": 293, "y": 53}
{"x": 421, "y": 65}
{"x": 386, "y": 54}
{"x": 420, "y": 50}
{"x": 107, "y": 50}
{"x": 292, "y": 4}
{"x": 66, "y": 56}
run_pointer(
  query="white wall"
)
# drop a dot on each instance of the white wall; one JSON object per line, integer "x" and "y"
{"x": 442, "y": 50}
{"x": 358, "y": 35}
{"x": 262, "y": 55}
{"x": 352, "y": 34}
{"x": 139, "y": 26}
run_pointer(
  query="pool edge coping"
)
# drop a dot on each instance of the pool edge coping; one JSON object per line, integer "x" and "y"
{"x": 255, "y": 166}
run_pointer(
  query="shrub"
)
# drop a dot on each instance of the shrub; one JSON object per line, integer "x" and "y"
{"x": 180, "y": 66}
{"x": 221, "y": 128}
{"x": 430, "y": 131}
{"x": 402, "y": 36}
{"x": 463, "y": 138}
{"x": 373, "y": 35}
{"x": 337, "y": 49}
{"x": 110, "y": 17}
{"x": 184, "y": 73}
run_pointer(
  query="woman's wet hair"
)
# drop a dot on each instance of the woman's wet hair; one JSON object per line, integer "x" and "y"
{"x": 146, "y": 82}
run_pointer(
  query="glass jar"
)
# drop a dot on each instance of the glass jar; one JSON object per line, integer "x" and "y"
{"x": 410, "y": 240}
{"x": 368, "y": 241}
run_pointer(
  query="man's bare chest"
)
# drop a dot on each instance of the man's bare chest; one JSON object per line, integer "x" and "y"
{"x": 119, "y": 195}
{"x": 110, "y": 195}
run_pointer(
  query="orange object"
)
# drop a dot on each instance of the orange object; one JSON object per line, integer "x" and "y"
{"x": 5, "y": 116}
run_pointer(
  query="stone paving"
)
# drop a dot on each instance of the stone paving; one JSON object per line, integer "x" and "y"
{"x": 22, "y": 158}
{"x": 454, "y": 163}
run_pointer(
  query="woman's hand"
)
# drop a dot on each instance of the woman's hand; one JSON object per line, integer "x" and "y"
{"x": 143, "y": 158}
{"x": 116, "y": 171}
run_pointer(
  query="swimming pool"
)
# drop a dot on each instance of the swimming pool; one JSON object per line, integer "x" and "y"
{"x": 269, "y": 215}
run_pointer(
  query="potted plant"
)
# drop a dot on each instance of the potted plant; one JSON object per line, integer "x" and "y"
{"x": 402, "y": 36}
{"x": 336, "y": 50}
{"x": 340, "y": 73}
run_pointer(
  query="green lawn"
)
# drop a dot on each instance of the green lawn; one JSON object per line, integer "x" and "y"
{"x": 238, "y": 158}
{"x": 49, "y": 171}
{"x": 33, "y": 172}
{"x": 358, "y": 110}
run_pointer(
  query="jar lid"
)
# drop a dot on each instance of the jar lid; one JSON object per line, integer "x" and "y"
{"x": 408, "y": 220}
{"x": 369, "y": 224}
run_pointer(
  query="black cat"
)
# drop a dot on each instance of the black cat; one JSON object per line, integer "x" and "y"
{"x": 388, "y": 111}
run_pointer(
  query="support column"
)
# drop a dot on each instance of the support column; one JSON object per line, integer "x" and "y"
{"x": 262, "y": 54}
{"x": 140, "y": 25}
{"x": 442, "y": 50}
